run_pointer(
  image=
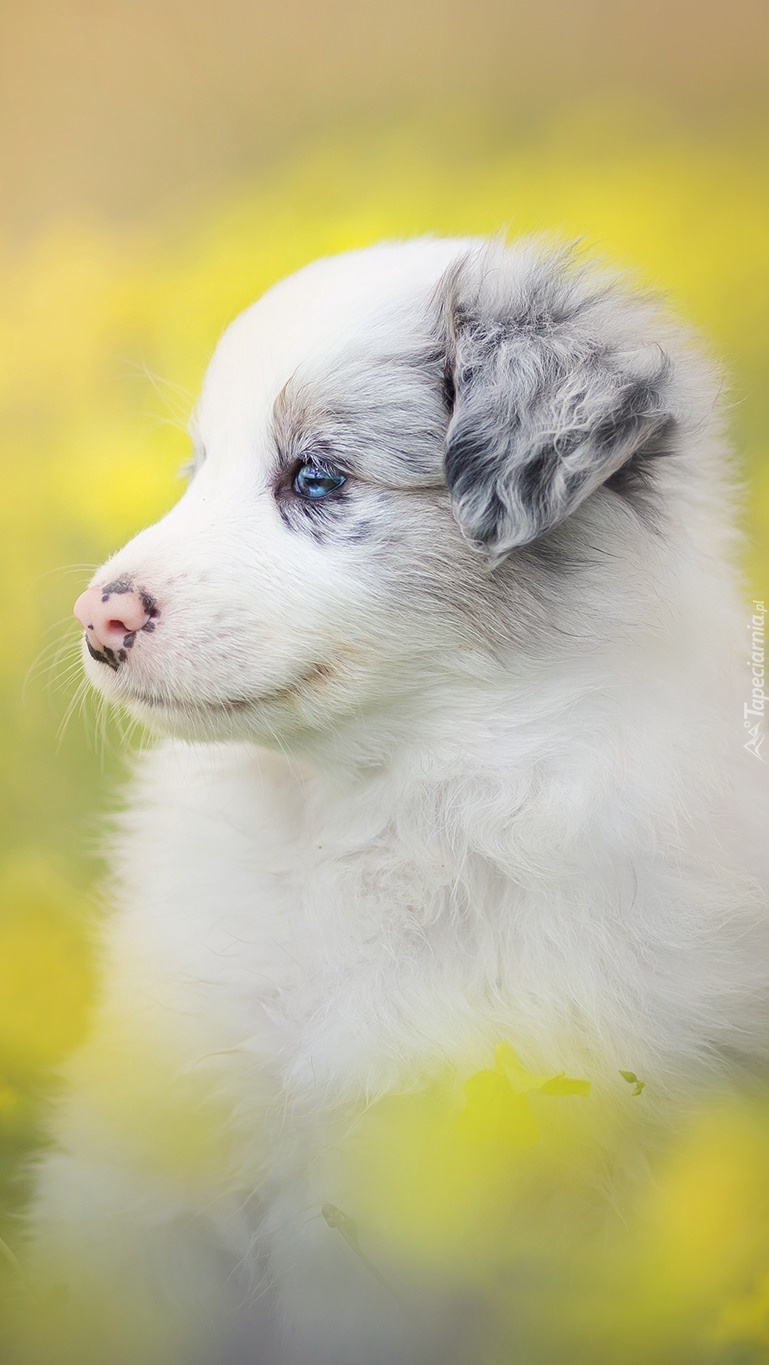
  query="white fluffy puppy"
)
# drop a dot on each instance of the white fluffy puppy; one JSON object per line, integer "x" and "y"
{"x": 446, "y": 648}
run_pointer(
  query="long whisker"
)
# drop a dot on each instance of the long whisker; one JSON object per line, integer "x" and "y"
{"x": 101, "y": 733}
{"x": 85, "y": 569}
{"x": 178, "y": 423}
{"x": 50, "y": 659}
{"x": 167, "y": 390}
{"x": 75, "y": 701}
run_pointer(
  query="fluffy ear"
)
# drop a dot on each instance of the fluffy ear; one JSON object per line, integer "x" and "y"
{"x": 555, "y": 383}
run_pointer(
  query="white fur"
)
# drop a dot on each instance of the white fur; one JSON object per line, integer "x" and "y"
{"x": 480, "y": 802}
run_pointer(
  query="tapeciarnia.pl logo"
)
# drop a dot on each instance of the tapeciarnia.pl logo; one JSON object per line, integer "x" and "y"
{"x": 754, "y": 711}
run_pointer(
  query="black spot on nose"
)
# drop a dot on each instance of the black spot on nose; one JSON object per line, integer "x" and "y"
{"x": 149, "y": 604}
{"x": 117, "y": 586}
{"x": 105, "y": 655}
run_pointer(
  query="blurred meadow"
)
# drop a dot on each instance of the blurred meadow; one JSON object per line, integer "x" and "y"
{"x": 162, "y": 166}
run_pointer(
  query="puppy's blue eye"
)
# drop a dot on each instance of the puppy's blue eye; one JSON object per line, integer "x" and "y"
{"x": 314, "y": 481}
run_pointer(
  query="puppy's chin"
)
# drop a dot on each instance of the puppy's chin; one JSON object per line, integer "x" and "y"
{"x": 199, "y": 722}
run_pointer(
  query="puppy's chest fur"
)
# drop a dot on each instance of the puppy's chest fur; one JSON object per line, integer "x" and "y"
{"x": 337, "y": 954}
{"x": 337, "y": 958}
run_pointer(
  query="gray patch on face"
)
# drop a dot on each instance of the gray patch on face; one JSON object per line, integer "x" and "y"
{"x": 374, "y": 414}
{"x": 559, "y": 385}
{"x": 376, "y": 405}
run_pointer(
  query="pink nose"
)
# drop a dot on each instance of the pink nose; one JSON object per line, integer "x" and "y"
{"x": 109, "y": 615}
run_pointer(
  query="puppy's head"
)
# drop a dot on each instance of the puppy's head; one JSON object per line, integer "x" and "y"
{"x": 413, "y": 465}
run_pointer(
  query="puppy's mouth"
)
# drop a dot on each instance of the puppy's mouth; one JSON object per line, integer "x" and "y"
{"x": 229, "y": 706}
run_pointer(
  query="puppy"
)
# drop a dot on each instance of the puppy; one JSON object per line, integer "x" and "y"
{"x": 446, "y": 659}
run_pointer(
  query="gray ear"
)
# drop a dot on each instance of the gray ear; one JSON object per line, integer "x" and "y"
{"x": 555, "y": 382}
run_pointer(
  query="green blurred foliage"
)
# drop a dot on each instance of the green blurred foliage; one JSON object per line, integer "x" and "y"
{"x": 104, "y": 337}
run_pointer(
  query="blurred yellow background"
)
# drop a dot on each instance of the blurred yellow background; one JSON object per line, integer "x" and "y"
{"x": 163, "y": 163}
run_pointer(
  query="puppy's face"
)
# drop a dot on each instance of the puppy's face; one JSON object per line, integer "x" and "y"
{"x": 388, "y": 447}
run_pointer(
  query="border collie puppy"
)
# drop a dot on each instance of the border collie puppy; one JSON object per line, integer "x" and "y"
{"x": 446, "y": 659}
